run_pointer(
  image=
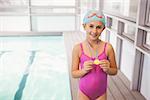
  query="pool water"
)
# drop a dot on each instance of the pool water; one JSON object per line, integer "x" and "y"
{"x": 33, "y": 68}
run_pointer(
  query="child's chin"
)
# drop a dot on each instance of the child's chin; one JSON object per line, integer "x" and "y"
{"x": 93, "y": 38}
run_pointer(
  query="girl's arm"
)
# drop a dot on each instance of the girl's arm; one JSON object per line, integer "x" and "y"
{"x": 109, "y": 66}
{"x": 76, "y": 73}
{"x": 112, "y": 60}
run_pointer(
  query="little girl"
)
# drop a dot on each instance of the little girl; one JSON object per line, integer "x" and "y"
{"x": 93, "y": 60}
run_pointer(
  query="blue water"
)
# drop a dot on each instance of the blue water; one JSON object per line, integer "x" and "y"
{"x": 33, "y": 68}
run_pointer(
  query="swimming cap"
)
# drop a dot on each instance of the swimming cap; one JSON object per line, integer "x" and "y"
{"x": 93, "y": 15}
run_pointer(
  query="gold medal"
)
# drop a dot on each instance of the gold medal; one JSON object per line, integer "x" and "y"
{"x": 96, "y": 62}
{"x": 94, "y": 52}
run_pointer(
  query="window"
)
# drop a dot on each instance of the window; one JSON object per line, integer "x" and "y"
{"x": 86, "y": 5}
{"x": 114, "y": 24}
{"x": 13, "y": 2}
{"x": 126, "y": 8}
{"x": 148, "y": 14}
{"x": 52, "y": 6}
{"x": 89, "y": 4}
{"x": 37, "y": 15}
{"x": 109, "y": 22}
{"x": 53, "y": 2}
{"x": 129, "y": 31}
{"x": 50, "y": 10}
{"x": 14, "y": 7}
{"x": 14, "y": 23}
{"x": 53, "y": 23}
{"x": 147, "y": 40}
{"x": 143, "y": 40}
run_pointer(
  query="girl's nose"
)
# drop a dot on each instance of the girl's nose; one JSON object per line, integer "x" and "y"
{"x": 94, "y": 30}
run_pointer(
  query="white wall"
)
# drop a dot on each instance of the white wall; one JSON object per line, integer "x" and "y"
{"x": 145, "y": 87}
{"x": 127, "y": 59}
{"x": 113, "y": 40}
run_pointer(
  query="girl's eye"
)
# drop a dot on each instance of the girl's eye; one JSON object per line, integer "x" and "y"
{"x": 99, "y": 27}
{"x": 91, "y": 26}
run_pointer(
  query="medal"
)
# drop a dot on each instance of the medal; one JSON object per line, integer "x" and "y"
{"x": 96, "y": 61}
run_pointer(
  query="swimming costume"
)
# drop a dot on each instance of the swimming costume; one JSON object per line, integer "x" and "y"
{"x": 94, "y": 83}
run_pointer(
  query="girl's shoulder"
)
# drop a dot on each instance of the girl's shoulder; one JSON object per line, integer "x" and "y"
{"x": 108, "y": 47}
{"x": 78, "y": 45}
{"x": 77, "y": 48}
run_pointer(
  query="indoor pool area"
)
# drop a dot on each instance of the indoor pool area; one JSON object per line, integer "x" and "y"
{"x": 33, "y": 68}
{"x": 40, "y": 55}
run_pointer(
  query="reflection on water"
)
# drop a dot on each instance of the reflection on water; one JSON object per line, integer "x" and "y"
{"x": 33, "y": 68}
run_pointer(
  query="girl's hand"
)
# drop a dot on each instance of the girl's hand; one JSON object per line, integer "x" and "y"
{"x": 105, "y": 65}
{"x": 87, "y": 66}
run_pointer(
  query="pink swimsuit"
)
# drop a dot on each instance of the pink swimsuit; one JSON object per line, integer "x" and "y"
{"x": 94, "y": 83}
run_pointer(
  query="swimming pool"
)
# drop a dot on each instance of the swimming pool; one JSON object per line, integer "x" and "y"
{"x": 33, "y": 68}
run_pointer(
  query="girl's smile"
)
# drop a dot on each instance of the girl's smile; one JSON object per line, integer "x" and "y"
{"x": 94, "y": 29}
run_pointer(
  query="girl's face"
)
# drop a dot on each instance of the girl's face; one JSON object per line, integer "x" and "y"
{"x": 94, "y": 29}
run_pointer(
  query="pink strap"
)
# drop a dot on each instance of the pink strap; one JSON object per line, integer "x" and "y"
{"x": 105, "y": 47}
{"x": 81, "y": 47}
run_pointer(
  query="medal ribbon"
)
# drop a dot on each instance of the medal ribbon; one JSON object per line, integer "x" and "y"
{"x": 93, "y": 52}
